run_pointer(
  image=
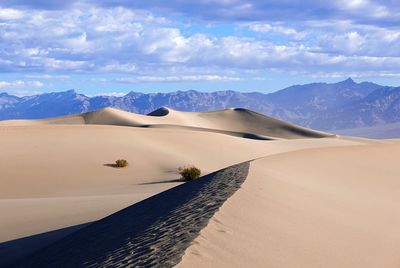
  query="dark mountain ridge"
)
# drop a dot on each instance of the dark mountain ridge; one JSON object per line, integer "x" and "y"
{"x": 324, "y": 106}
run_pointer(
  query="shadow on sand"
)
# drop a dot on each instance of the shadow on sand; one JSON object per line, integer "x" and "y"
{"x": 111, "y": 165}
{"x": 152, "y": 233}
{"x": 160, "y": 182}
{"x": 11, "y": 251}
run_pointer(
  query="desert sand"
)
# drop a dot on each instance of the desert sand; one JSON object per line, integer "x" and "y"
{"x": 310, "y": 199}
{"x": 331, "y": 207}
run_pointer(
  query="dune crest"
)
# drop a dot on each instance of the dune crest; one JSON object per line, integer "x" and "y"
{"x": 149, "y": 233}
{"x": 233, "y": 121}
{"x": 339, "y": 211}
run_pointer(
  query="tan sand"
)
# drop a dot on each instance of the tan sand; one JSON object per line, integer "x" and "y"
{"x": 330, "y": 207}
{"x": 235, "y": 120}
{"x": 61, "y": 165}
{"x": 57, "y": 173}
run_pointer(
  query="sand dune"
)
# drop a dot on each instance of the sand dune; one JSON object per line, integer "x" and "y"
{"x": 331, "y": 207}
{"x": 237, "y": 121}
{"x": 56, "y": 173}
{"x": 65, "y": 164}
{"x": 169, "y": 221}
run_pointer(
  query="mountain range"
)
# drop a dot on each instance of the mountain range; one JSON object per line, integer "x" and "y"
{"x": 324, "y": 106}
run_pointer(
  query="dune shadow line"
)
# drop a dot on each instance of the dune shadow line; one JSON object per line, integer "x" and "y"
{"x": 152, "y": 233}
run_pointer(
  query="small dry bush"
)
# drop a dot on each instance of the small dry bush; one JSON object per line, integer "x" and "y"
{"x": 120, "y": 163}
{"x": 189, "y": 173}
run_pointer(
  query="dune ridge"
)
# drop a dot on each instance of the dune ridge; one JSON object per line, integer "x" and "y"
{"x": 234, "y": 121}
{"x": 152, "y": 232}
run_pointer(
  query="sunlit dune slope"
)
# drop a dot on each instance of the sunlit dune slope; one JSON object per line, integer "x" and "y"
{"x": 330, "y": 207}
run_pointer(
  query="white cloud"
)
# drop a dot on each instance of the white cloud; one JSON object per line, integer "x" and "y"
{"x": 362, "y": 41}
{"x": 184, "y": 78}
{"x": 354, "y": 4}
{"x": 277, "y": 29}
{"x": 23, "y": 92}
{"x": 20, "y": 83}
{"x": 366, "y": 8}
{"x": 87, "y": 38}
{"x": 116, "y": 68}
{"x": 7, "y": 14}
{"x": 349, "y": 43}
{"x": 47, "y": 76}
{"x": 112, "y": 94}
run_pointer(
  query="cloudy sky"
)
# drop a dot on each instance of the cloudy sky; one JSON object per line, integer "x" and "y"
{"x": 115, "y": 46}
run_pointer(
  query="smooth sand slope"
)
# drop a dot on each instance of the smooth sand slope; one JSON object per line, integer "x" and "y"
{"x": 331, "y": 207}
{"x": 56, "y": 173}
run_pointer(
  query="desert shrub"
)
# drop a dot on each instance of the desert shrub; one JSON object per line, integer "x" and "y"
{"x": 189, "y": 173}
{"x": 120, "y": 163}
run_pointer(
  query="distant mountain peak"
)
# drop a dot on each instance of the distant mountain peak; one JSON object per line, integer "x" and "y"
{"x": 132, "y": 93}
{"x": 71, "y": 91}
{"x": 66, "y": 92}
{"x": 348, "y": 81}
{"x": 8, "y": 96}
{"x": 4, "y": 94}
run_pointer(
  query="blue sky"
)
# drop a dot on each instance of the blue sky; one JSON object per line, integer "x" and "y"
{"x": 117, "y": 46}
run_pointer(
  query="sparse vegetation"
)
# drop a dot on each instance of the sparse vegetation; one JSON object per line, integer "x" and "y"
{"x": 120, "y": 163}
{"x": 189, "y": 173}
